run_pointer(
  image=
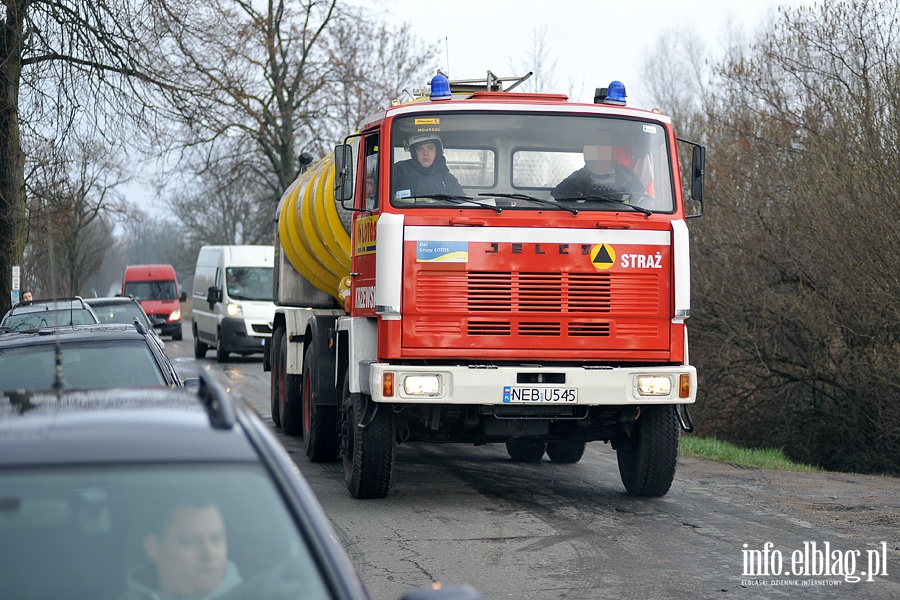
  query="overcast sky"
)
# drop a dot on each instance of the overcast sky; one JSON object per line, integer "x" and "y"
{"x": 591, "y": 42}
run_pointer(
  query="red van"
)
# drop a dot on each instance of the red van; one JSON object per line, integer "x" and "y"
{"x": 155, "y": 287}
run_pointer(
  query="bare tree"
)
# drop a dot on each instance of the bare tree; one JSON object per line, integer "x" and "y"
{"x": 265, "y": 80}
{"x": 796, "y": 331}
{"x": 539, "y": 62}
{"x": 257, "y": 85}
{"x": 72, "y": 196}
{"x": 61, "y": 61}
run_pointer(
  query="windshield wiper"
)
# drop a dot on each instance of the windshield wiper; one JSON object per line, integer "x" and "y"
{"x": 541, "y": 201}
{"x": 455, "y": 200}
{"x": 611, "y": 200}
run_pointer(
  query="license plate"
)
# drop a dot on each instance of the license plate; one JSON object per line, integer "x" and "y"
{"x": 515, "y": 394}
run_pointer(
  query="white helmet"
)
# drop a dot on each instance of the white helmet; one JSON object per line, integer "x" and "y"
{"x": 421, "y": 138}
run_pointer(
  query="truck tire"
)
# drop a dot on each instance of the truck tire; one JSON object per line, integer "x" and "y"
{"x": 647, "y": 459}
{"x": 289, "y": 394}
{"x": 369, "y": 451}
{"x": 277, "y": 371}
{"x": 178, "y": 336}
{"x": 221, "y": 352}
{"x": 565, "y": 452}
{"x": 526, "y": 452}
{"x": 320, "y": 433}
{"x": 199, "y": 347}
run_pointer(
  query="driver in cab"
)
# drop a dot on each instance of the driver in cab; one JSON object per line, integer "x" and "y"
{"x": 426, "y": 172}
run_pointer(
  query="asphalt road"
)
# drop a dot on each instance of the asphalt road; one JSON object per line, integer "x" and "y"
{"x": 468, "y": 515}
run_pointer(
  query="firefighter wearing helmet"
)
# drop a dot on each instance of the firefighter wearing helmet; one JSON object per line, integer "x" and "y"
{"x": 426, "y": 172}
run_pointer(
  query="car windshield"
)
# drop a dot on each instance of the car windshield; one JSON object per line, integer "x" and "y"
{"x": 37, "y": 316}
{"x": 85, "y": 364}
{"x": 88, "y": 533}
{"x": 249, "y": 283}
{"x": 152, "y": 290}
{"x": 120, "y": 313}
{"x": 530, "y": 161}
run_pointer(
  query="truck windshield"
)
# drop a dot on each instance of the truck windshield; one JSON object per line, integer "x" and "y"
{"x": 249, "y": 283}
{"x": 530, "y": 161}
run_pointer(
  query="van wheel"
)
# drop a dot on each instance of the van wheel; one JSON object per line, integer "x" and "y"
{"x": 369, "y": 445}
{"x": 526, "y": 452}
{"x": 320, "y": 434}
{"x": 289, "y": 392}
{"x": 199, "y": 347}
{"x": 178, "y": 336}
{"x": 276, "y": 368}
{"x": 221, "y": 352}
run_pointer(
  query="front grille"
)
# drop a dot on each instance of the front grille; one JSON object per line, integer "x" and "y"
{"x": 587, "y": 293}
{"x": 265, "y": 329}
{"x": 490, "y": 312}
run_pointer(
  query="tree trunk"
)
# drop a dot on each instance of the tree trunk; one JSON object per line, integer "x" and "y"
{"x": 12, "y": 159}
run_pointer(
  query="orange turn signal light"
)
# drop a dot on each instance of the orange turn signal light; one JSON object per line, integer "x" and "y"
{"x": 387, "y": 385}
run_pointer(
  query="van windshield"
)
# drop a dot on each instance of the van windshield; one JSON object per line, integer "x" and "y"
{"x": 249, "y": 283}
{"x": 152, "y": 290}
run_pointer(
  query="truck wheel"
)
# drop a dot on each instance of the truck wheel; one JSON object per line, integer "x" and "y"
{"x": 320, "y": 434}
{"x": 527, "y": 452}
{"x": 289, "y": 392}
{"x": 221, "y": 352}
{"x": 647, "y": 459}
{"x": 368, "y": 451}
{"x": 565, "y": 452}
{"x": 199, "y": 347}
{"x": 178, "y": 336}
{"x": 277, "y": 371}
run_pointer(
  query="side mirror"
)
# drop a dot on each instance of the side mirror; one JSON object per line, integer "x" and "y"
{"x": 183, "y": 297}
{"x": 343, "y": 173}
{"x": 698, "y": 169}
{"x": 213, "y": 295}
{"x": 698, "y": 173}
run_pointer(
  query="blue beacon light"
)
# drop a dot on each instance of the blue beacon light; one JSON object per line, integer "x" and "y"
{"x": 615, "y": 93}
{"x": 440, "y": 88}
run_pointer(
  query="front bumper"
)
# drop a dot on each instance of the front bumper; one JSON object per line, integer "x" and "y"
{"x": 239, "y": 335}
{"x": 492, "y": 385}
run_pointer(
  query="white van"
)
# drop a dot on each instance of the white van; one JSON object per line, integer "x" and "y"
{"x": 233, "y": 308}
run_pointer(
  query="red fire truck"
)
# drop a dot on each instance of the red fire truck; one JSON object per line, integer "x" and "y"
{"x": 481, "y": 266}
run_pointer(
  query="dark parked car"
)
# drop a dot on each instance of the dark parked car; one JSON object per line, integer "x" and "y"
{"x": 160, "y": 493}
{"x": 91, "y": 356}
{"x": 122, "y": 309}
{"x": 53, "y": 312}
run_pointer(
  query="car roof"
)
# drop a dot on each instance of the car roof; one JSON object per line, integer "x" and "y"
{"x": 121, "y": 425}
{"x": 112, "y": 300}
{"x": 69, "y": 333}
{"x": 45, "y": 304}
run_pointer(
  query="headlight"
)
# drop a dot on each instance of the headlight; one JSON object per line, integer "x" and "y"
{"x": 422, "y": 385}
{"x": 233, "y": 310}
{"x": 654, "y": 385}
{"x": 175, "y": 315}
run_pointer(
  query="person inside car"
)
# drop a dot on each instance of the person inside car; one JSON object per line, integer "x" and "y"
{"x": 187, "y": 551}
